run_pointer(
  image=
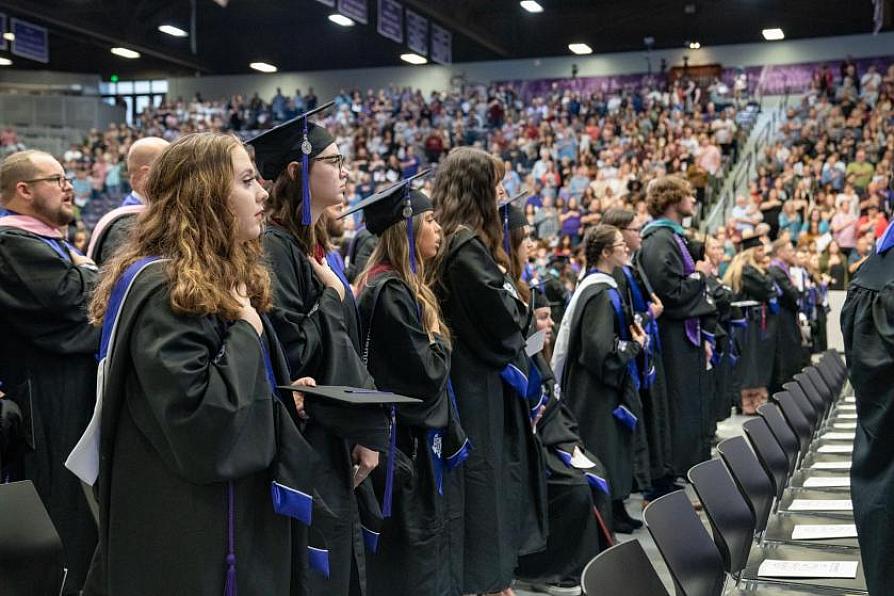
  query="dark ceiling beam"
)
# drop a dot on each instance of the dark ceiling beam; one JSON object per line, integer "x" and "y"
{"x": 23, "y": 10}
{"x": 459, "y": 27}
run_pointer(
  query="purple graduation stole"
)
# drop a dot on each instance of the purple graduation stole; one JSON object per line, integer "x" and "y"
{"x": 692, "y": 325}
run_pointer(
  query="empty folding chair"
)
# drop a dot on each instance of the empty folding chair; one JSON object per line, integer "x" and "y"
{"x": 31, "y": 558}
{"x": 691, "y": 556}
{"x": 622, "y": 570}
{"x": 784, "y": 434}
{"x": 768, "y": 451}
{"x": 811, "y": 394}
{"x": 813, "y": 415}
{"x": 733, "y": 527}
{"x": 820, "y": 383}
{"x": 792, "y": 416}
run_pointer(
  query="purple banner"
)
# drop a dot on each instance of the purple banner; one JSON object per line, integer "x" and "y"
{"x": 355, "y": 10}
{"x": 441, "y": 45}
{"x": 30, "y": 41}
{"x": 391, "y": 20}
{"x": 2, "y": 30}
{"x": 417, "y": 33}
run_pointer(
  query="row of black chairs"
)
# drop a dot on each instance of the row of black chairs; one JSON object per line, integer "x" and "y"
{"x": 754, "y": 495}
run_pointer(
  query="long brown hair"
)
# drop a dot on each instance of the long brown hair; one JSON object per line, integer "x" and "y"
{"x": 393, "y": 249}
{"x": 516, "y": 267}
{"x": 188, "y": 220}
{"x": 465, "y": 196}
{"x": 284, "y": 207}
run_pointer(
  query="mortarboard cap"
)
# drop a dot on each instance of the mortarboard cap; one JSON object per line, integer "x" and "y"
{"x": 751, "y": 242}
{"x": 513, "y": 217}
{"x": 295, "y": 140}
{"x": 352, "y": 395}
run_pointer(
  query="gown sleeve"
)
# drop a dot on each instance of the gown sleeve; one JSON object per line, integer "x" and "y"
{"x": 203, "y": 399}
{"x": 476, "y": 286}
{"x": 603, "y": 353}
{"x": 48, "y": 295}
{"x": 756, "y": 285}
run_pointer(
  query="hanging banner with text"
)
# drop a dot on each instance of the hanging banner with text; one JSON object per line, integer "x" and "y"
{"x": 417, "y": 33}
{"x": 354, "y": 9}
{"x": 391, "y": 20}
{"x": 30, "y": 41}
{"x": 441, "y": 45}
{"x": 2, "y": 30}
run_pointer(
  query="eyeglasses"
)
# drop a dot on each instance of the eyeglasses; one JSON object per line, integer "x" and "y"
{"x": 58, "y": 179}
{"x": 632, "y": 229}
{"x": 619, "y": 244}
{"x": 336, "y": 160}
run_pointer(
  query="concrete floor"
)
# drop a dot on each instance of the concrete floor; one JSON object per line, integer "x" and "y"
{"x": 728, "y": 428}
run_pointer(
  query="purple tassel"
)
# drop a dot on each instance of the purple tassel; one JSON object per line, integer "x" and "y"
{"x": 389, "y": 473}
{"x": 230, "y": 587}
{"x": 305, "y": 178}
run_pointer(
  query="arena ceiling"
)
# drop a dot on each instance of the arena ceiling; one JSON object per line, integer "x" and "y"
{"x": 296, "y": 35}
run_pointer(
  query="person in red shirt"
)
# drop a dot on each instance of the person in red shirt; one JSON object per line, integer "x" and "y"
{"x": 874, "y": 220}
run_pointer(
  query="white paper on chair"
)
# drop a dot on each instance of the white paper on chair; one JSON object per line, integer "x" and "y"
{"x": 827, "y": 482}
{"x": 850, "y": 400}
{"x": 836, "y": 449}
{"x": 839, "y": 436}
{"x": 831, "y": 465}
{"x": 845, "y": 425}
{"x": 821, "y": 505}
{"x": 847, "y": 416}
{"x": 824, "y": 531}
{"x": 808, "y": 569}
{"x": 848, "y": 407}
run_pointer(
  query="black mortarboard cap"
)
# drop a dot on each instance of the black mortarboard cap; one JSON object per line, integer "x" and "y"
{"x": 295, "y": 140}
{"x": 513, "y": 216}
{"x": 352, "y": 395}
{"x": 387, "y": 207}
{"x": 751, "y": 242}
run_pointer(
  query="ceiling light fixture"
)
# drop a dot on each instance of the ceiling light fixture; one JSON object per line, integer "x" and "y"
{"x": 342, "y": 20}
{"x": 5, "y": 62}
{"x": 263, "y": 67}
{"x": 413, "y": 58}
{"x": 774, "y": 34}
{"x": 694, "y": 45}
{"x": 173, "y": 31}
{"x": 9, "y": 36}
{"x": 126, "y": 53}
{"x": 580, "y": 48}
{"x": 531, "y": 6}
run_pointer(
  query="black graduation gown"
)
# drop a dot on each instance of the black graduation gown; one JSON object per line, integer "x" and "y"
{"x": 759, "y": 346}
{"x": 113, "y": 237}
{"x": 414, "y": 549}
{"x": 789, "y": 352}
{"x": 575, "y": 536}
{"x": 687, "y": 382}
{"x": 495, "y": 489}
{"x": 188, "y": 409}
{"x": 48, "y": 367}
{"x": 654, "y": 433}
{"x": 361, "y": 250}
{"x": 721, "y": 374}
{"x": 867, "y": 323}
{"x": 320, "y": 339}
{"x": 596, "y": 381}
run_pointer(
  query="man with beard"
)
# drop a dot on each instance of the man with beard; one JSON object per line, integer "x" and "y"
{"x": 47, "y": 354}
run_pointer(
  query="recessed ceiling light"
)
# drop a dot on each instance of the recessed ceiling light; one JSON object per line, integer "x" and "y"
{"x": 173, "y": 31}
{"x": 694, "y": 45}
{"x": 413, "y": 58}
{"x": 5, "y": 62}
{"x": 531, "y": 6}
{"x": 340, "y": 19}
{"x": 774, "y": 34}
{"x": 9, "y": 36}
{"x": 263, "y": 67}
{"x": 580, "y": 48}
{"x": 126, "y": 53}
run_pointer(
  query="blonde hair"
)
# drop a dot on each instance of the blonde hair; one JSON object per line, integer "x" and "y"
{"x": 393, "y": 249}
{"x": 733, "y": 275}
{"x": 188, "y": 220}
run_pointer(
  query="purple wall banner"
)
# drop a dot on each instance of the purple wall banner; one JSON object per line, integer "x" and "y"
{"x": 391, "y": 20}
{"x": 441, "y": 45}
{"x": 329, "y": 3}
{"x": 417, "y": 33}
{"x": 354, "y": 9}
{"x": 2, "y": 31}
{"x": 30, "y": 41}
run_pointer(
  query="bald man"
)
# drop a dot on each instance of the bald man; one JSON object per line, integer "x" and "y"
{"x": 48, "y": 345}
{"x": 114, "y": 228}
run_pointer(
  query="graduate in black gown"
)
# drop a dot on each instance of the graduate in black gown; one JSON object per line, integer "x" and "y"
{"x": 316, "y": 320}
{"x": 747, "y": 276}
{"x": 494, "y": 492}
{"x": 730, "y": 322}
{"x": 360, "y": 249}
{"x": 790, "y": 356}
{"x": 655, "y": 431}
{"x": 596, "y": 364}
{"x": 407, "y": 346}
{"x": 47, "y": 362}
{"x": 202, "y": 470}
{"x": 679, "y": 281}
{"x": 867, "y": 323}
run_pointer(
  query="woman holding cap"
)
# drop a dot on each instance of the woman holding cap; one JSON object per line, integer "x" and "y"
{"x": 407, "y": 350}
{"x": 317, "y": 325}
